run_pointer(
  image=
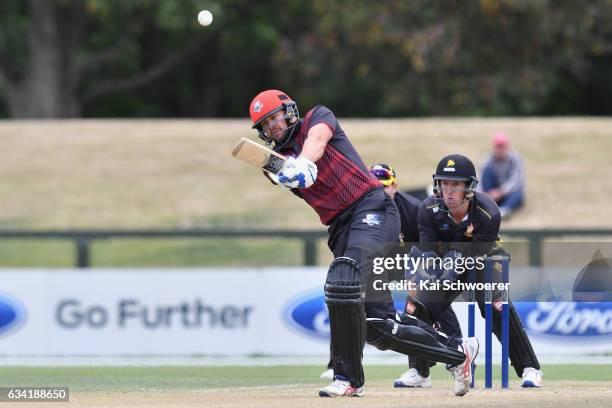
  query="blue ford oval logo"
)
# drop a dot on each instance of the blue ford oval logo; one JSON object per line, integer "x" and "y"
{"x": 587, "y": 320}
{"x": 12, "y": 314}
{"x": 307, "y": 313}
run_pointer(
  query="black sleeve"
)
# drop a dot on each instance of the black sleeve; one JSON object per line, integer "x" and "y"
{"x": 489, "y": 232}
{"x": 486, "y": 239}
{"x": 429, "y": 235}
{"x": 321, "y": 114}
{"x": 428, "y": 231}
{"x": 410, "y": 228}
{"x": 409, "y": 211}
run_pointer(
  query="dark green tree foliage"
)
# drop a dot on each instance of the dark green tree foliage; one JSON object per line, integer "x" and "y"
{"x": 98, "y": 58}
{"x": 63, "y": 58}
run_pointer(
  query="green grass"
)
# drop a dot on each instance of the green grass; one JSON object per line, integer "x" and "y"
{"x": 121, "y": 174}
{"x": 176, "y": 378}
{"x": 218, "y": 252}
{"x": 155, "y": 253}
{"x": 20, "y": 253}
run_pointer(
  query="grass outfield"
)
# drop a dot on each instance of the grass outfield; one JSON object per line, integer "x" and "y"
{"x": 289, "y": 386}
{"x": 179, "y": 173}
{"x": 116, "y": 174}
{"x": 207, "y": 377}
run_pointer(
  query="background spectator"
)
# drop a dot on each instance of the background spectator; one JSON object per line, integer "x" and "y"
{"x": 502, "y": 177}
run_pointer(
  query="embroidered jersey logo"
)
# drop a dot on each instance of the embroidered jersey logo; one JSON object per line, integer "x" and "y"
{"x": 445, "y": 227}
{"x": 450, "y": 165}
{"x": 371, "y": 219}
{"x": 469, "y": 231}
{"x": 410, "y": 308}
{"x": 257, "y": 107}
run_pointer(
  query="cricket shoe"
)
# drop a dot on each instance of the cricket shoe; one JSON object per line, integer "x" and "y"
{"x": 412, "y": 379}
{"x": 327, "y": 374}
{"x": 532, "y": 378}
{"x": 341, "y": 387}
{"x": 463, "y": 372}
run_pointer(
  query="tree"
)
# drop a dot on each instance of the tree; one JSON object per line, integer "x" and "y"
{"x": 56, "y": 55}
{"x": 100, "y": 58}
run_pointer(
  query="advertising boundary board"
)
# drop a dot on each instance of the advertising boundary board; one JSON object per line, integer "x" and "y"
{"x": 222, "y": 311}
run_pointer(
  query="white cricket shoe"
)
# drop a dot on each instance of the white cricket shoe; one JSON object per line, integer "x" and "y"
{"x": 327, "y": 374}
{"x": 412, "y": 379}
{"x": 463, "y": 372}
{"x": 532, "y": 378}
{"x": 341, "y": 387}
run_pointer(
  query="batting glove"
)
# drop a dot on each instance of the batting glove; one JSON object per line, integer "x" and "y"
{"x": 298, "y": 172}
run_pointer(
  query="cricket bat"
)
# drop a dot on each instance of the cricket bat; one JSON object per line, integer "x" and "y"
{"x": 257, "y": 155}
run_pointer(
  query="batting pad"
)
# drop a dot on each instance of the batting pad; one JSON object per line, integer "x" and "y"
{"x": 346, "y": 319}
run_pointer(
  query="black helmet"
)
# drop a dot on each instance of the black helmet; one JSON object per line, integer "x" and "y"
{"x": 456, "y": 167}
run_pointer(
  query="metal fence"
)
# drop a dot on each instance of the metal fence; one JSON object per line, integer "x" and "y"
{"x": 83, "y": 238}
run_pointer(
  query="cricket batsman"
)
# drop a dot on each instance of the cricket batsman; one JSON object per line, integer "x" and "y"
{"x": 323, "y": 169}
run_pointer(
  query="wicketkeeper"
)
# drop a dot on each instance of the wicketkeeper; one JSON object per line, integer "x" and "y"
{"x": 457, "y": 218}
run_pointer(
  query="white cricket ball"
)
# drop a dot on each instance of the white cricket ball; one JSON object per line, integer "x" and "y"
{"x": 205, "y": 17}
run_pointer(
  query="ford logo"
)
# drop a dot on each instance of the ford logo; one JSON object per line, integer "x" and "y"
{"x": 307, "y": 313}
{"x": 12, "y": 314}
{"x": 587, "y": 320}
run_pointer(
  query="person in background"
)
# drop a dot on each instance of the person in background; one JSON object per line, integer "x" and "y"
{"x": 408, "y": 205}
{"x": 502, "y": 176}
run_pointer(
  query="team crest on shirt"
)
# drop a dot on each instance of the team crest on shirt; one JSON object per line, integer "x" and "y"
{"x": 469, "y": 231}
{"x": 372, "y": 219}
